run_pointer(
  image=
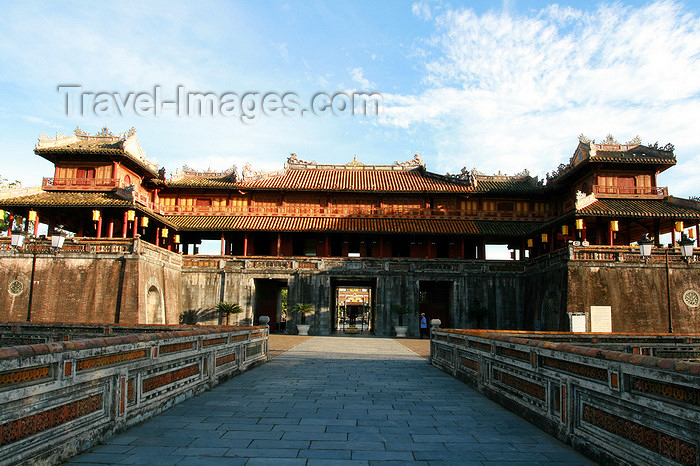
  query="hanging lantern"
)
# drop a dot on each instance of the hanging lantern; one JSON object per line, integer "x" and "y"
{"x": 164, "y": 233}
{"x": 565, "y": 230}
{"x": 614, "y": 225}
{"x": 691, "y": 233}
{"x": 545, "y": 238}
{"x": 530, "y": 243}
{"x": 679, "y": 226}
{"x": 579, "y": 224}
{"x": 177, "y": 239}
{"x": 95, "y": 215}
{"x": 32, "y": 215}
{"x": 131, "y": 215}
{"x": 144, "y": 222}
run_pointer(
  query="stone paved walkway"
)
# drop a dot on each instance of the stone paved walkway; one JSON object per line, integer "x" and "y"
{"x": 336, "y": 400}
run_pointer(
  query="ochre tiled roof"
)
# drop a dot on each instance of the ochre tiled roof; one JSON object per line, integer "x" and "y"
{"x": 90, "y": 145}
{"x": 650, "y": 208}
{"x": 203, "y": 182}
{"x": 401, "y": 181}
{"x": 367, "y": 225}
{"x": 78, "y": 199}
{"x": 507, "y": 186}
{"x": 639, "y": 154}
{"x": 67, "y": 199}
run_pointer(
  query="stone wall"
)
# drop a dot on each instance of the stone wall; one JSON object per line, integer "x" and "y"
{"x": 60, "y": 398}
{"x": 641, "y": 294}
{"x": 89, "y": 281}
{"x": 616, "y": 407}
{"x": 133, "y": 282}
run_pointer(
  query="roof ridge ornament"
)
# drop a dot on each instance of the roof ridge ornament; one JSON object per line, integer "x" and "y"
{"x": 584, "y": 140}
{"x": 104, "y": 133}
{"x": 355, "y": 163}
{"x": 417, "y": 161}
{"x": 293, "y": 159}
{"x": 610, "y": 141}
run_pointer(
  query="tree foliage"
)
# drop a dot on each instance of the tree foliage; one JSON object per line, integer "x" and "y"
{"x": 227, "y": 308}
{"x": 303, "y": 309}
{"x": 400, "y": 311}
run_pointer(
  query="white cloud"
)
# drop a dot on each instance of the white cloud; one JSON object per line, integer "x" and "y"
{"x": 422, "y": 10}
{"x": 357, "y": 76}
{"x": 509, "y": 92}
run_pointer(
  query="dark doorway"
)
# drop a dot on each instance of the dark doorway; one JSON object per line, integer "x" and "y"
{"x": 270, "y": 302}
{"x": 435, "y": 299}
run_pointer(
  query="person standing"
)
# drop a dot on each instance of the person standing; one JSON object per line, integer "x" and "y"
{"x": 423, "y": 326}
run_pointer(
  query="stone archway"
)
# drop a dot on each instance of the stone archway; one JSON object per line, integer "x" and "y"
{"x": 154, "y": 306}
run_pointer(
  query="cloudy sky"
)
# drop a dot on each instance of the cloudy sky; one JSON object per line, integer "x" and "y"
{"x": 497, "y": 86}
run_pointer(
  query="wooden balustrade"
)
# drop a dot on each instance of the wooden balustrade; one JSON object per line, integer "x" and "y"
{"x": 341, "y": 212}
{"x": 87, "y": 184}
{"x": 627, "y": 254}
{"x": 631, "y": 190}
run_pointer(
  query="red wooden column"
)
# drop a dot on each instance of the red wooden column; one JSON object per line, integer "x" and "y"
{"x": 10, "y": 223}
{"x": 223, "y": 244}
{"x": 327, "y": 239}
{"x": 279, "y": 243}
{"x": 124, "y": 225}
{"x": 111, "y": 228}
{"x": 553, "y": 240}
{"x": 99, "y": 227}
{"x": 481, "y": 251}
{"x": 245, "y": 244}
{"x": 673, "y": 236}
{"x": 36, "y": 225}
{"x": 611, "y": 235}
{"x": 157, "y": 236}
{"x": 137, "y": 222}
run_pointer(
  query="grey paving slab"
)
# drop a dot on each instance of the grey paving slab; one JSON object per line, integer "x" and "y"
{"x": 336, "y": 400}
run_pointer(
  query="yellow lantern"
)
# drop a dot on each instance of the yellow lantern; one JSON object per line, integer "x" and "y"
{"x": 679, "y": 226}
{"x": 579, "y": 224}
{"x": 164, "y": 233}
{"x": 95, "y": 215}
{"x": 614, "y": 225}
{"x": 530, "y": 243}
{"x": 544, "y": 237}
{"x": 177, "y": 239}
{"x": 691, "y": 233}
{"x": 32, "y": 215}
{"x": 144, "y": 222}
{"x": 131, "y": 215}
{"x": 565, "y": 230}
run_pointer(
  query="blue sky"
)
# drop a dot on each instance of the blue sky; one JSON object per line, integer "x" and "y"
{"x": 487, "y": 85}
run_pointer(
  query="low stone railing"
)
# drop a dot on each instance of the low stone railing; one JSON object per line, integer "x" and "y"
{"x": 60, "y": 398}
{"x": 613, "y": 406}
{"x": 370, "y": 264}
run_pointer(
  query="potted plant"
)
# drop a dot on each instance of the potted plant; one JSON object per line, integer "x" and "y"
{"x": 400, "y": 329}
{"x": 303, "y": 309}
{"x": 226, "y": 308}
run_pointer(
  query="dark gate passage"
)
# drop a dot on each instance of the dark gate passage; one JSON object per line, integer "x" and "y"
{"x": 352, "y": 306}
{"x": 435, "y": 299}
{"x": 268, "y": 302}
